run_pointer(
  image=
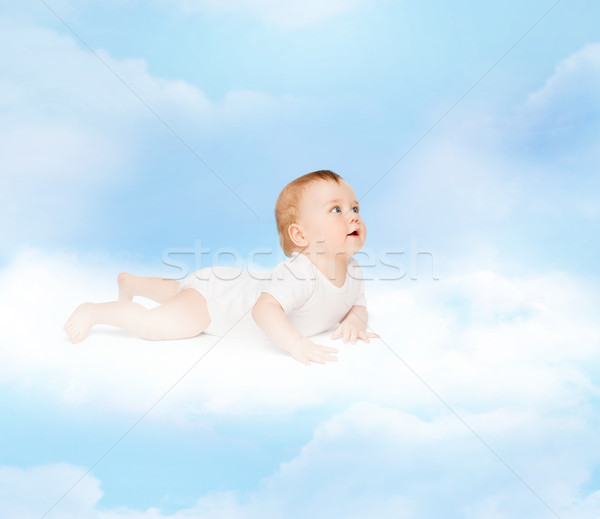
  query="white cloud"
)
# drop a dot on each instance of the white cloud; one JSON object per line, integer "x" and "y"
{"x": 54, "y": 91}
{"x": 476, "y": 339}
{"x": 514, "y": 357}
{"x": 376, "y": 461}
{"x": 69, "y": 126}
{"x": 284, "y": 13}
{"x": 369, "y": 455}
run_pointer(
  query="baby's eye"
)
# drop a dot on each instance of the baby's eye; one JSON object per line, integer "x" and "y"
{"x": 355, "y": 209}
{"x": 336, "y": 209}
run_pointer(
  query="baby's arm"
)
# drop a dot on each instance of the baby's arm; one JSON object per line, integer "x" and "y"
{"x": 354, "y": 326}
{"x": 271, "y": 318}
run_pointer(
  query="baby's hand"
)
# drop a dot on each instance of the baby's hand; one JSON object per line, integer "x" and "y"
{"x": 353, "y": 329}
{"x": 306, "y": 351}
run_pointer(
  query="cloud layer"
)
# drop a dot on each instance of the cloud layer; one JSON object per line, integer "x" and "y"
{"x": 374, "y": 460}
{"x": 505, "y": 337}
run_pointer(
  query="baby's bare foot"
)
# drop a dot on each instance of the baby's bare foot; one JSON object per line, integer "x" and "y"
{"x": 80, "y": 322}
{"x": 125, "y": 286}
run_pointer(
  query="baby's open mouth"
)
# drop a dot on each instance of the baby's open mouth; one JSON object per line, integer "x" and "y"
{"x": 353, "y": 233}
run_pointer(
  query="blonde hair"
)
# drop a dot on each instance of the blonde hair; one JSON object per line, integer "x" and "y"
{"x": 287, "y": 207}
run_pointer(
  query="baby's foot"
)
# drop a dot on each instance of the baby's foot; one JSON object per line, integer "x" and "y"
{"x": 80, "y": 322}
{"x": 125, "y": 286}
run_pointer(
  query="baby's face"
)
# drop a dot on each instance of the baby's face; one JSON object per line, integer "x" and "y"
{"x": 329, "y": 215}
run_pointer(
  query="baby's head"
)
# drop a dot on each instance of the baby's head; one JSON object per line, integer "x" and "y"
{"x": 300, "y": 218}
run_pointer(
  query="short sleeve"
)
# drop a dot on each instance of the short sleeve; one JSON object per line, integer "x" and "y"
{"x": 355, "y": 273}
{"x": 292, "y": 282}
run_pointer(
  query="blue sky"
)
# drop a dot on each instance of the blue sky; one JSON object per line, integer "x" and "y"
{"x": 503, "y": 191}
{"x": 264, "y": 100}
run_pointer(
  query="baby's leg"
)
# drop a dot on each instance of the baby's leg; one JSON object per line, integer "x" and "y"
{"x": 157, "y": 289}
{"x": 184, "y": 315}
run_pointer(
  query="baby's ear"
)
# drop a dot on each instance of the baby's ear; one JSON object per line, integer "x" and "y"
{"x": 297, "y": 235}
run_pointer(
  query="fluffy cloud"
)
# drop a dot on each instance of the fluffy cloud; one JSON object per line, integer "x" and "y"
{"x": 476, "y": 339}
{"x": 515, "y": 358}
{"x": 399, "y": 461}
{"x": 286, "y": 13}
{"x": 69, "y": 126}
{"x": 50, "y": 78}
{"x": 372, "y": 460}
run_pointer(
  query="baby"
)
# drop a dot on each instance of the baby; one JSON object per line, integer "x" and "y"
{"x": 319, "y": 286}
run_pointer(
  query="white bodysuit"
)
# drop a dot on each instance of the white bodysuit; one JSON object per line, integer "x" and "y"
{"x": 313, "y": 304}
